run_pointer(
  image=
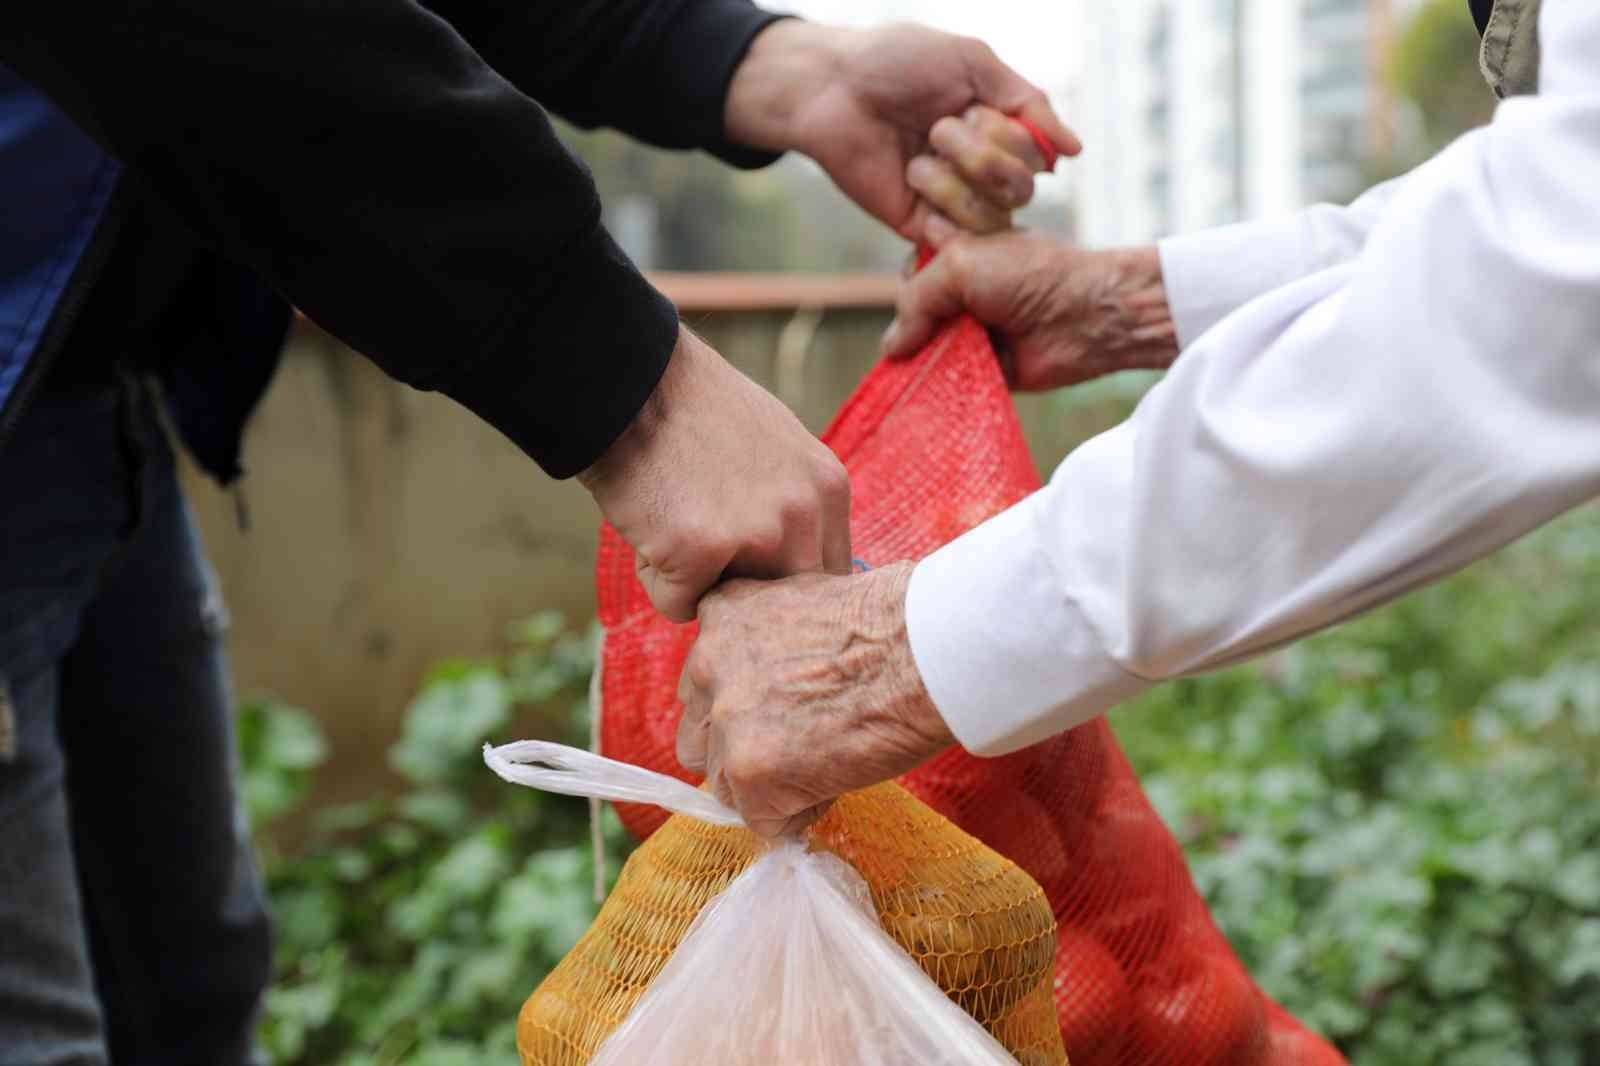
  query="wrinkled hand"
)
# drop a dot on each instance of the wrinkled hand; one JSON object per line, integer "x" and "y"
{"x": 715, "y": 477}
{"x": 1059, "y": 315}
{"x": 798, "y": 691}
{"x": 980, "y": 165}
{"x": 863, "y": 104}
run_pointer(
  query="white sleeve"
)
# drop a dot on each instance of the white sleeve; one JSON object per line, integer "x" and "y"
{"x": 1212, "y": 273}
{"x": 1326, "y": 448}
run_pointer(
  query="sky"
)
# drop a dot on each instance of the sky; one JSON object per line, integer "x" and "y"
{"x": 1037, "y": 38}
{"x": 1040, "y": 38}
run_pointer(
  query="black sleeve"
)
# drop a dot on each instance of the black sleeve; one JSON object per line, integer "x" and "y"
{"x": 658, "y": 70}
{"x": 363, "y": 159}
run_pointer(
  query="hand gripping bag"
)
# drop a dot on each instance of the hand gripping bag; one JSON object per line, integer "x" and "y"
{"x": 1143, "y": 977}
{"x": 888, "y": 938}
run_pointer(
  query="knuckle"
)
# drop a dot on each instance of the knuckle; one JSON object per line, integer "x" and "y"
{"x": 946, "y": 133}
{"x": 960, "y": 254}
{"x": 699, "y": 671}
{"x": 831, "y": 477}
{"x": 921, "y": 174}
{"x": 764, "y": 542}
{"x": 796, "y": 512}
{"x": 996, "y": 166}
{"x": 977, "y": 50}
{"x": 991, "y": 123}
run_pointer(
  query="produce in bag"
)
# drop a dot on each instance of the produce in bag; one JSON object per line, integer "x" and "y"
{"x": 933, "y": 447}
{"x": 888, "y": 938}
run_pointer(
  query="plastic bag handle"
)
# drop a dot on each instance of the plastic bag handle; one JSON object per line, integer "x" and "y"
{"x": 574, "y": 772}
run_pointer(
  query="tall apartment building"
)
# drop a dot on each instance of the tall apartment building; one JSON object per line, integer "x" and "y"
{"x": 1203, "y": 112}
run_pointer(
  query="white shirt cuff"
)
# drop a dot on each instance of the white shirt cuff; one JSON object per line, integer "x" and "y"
{"x": 1008, "y": 660}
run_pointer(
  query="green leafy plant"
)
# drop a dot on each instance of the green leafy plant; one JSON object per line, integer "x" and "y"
{"x": 1397, "y": 825}
{"x": 411, "y": 927}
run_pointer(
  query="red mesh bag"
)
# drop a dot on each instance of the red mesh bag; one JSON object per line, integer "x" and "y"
{"x": 1143, "y": 977}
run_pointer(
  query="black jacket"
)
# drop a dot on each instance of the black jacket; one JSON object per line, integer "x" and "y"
{"x": 384, "y": 167}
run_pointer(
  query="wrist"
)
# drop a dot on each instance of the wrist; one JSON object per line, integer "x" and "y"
{"x": 884, "y": 598}
{"x": 1138, "y": 326}
{"x": 629, "y": 450}
{"x": 787, "y": 64}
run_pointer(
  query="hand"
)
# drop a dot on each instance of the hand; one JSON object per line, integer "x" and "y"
{"x": 1059, "y": 315}
{"x": 799, "y": 691}
{"x": 862, "y": 103}
{"x": 716, "y": 478}
{"x": 981, "y": 166}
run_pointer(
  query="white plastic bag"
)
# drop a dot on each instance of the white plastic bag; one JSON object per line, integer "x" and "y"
{"x": 788, "y": 967}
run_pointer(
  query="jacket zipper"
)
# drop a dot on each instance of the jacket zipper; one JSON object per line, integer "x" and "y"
{"x": 66, "y": 314}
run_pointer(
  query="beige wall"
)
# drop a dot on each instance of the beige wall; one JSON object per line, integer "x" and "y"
{"x": 390, "y": 529}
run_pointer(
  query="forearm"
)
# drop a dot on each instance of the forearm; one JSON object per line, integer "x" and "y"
{"x": 1212, "y": 273}
{"x": 658, "y": 70}
{"x": 1129, "y": 323}
{"x": 1333, "y": 445}
{"x": 365, "y": 162}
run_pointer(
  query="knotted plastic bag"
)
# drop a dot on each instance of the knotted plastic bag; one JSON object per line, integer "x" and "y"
{"x": 1143, "y": 978}
{"x": 889, "y": 938}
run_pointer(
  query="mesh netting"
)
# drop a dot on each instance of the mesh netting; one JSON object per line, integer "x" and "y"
{"x": 975, "y": 923}
{"x": 1143, "y": 977}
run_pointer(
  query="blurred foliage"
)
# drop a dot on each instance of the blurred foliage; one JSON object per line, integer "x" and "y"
{"x": 709, "y": 216}
{"x": 1442, "y": 93}
{"x": 1396, "y": 823}
{"x": 411, "y": 928}
{"x": 1436, "y": 68}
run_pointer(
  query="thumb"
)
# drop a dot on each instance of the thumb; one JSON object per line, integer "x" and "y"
{"x": 676, "y": 594}
{"x": 925, "y": 302}
{"x": 996, "y": 84}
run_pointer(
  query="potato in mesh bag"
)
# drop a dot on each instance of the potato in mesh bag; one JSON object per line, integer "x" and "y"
{"x": 888, "y": 937}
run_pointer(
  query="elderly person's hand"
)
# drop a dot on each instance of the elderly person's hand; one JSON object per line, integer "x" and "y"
{"x": 864, "y": 104}
{"x": 979, "y": 167}
{"x": 1058, "y": 314}
{"x": 800, "y": 690}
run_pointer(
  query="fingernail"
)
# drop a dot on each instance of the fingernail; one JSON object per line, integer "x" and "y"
{"x": 890, "y": 335}
{"x": 939, "y": 229}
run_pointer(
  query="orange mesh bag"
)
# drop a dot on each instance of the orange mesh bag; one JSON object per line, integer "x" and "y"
{"x": 716, "y": 949}
{"x": 1143, "y": 977}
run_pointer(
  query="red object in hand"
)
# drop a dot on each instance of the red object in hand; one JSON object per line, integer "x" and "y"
{"x": 1046, "y": 149}
{"x": 933, "y": 447}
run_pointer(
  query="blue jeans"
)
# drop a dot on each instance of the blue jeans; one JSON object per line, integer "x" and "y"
{"x": 133, "y": 926}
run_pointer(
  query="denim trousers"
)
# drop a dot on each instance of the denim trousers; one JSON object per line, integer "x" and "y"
{"x": 133, "y": 924}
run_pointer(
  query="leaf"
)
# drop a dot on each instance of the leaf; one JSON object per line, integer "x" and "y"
{"x": 438, "y": 809}
{"x": 1583, "y": 954}
{"x": 539, "y": 630}
{"x": 1578, "y": 881}
{"x": 447, "y": 724}
{"x": 1462, "y": 963}
{"x": 307, "y": 918}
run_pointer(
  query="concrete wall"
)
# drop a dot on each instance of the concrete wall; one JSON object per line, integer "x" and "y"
{"x": 390, "y": 529}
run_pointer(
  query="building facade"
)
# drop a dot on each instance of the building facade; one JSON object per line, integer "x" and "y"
{"x": 1202, "y": 112}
